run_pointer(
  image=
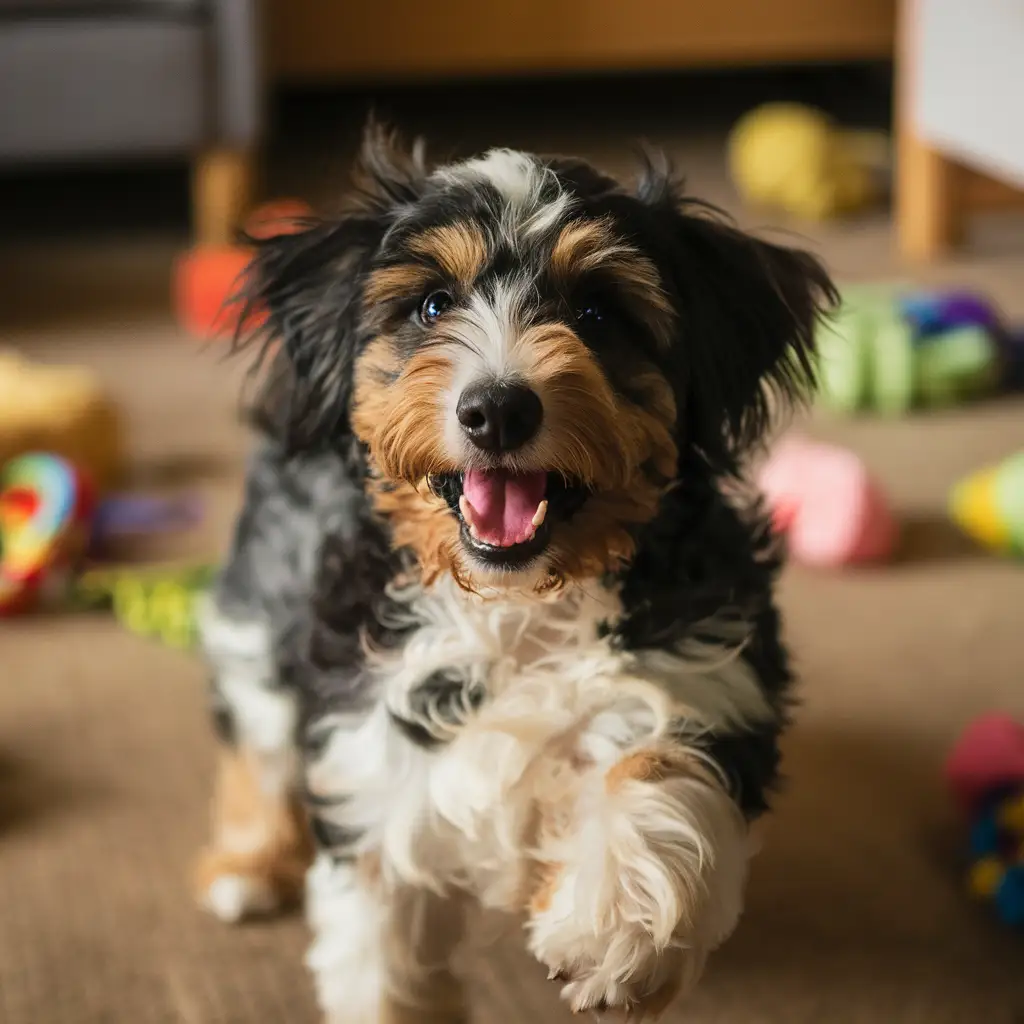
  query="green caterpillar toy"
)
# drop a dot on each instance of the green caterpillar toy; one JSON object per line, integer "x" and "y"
{"x": 159, "y": 604}
{"x": 893, "y": 352}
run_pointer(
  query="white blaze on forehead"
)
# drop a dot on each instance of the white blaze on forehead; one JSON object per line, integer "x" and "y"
{"x": 487, "y": 332}
{"x": 517, "y": 176}
{"x": 492, "y": 323}
{"x": 523, "y": 181}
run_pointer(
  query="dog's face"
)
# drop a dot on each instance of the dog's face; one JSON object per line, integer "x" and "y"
{"x": 525, "y": 347}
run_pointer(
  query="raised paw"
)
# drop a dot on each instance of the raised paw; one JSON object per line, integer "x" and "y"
{"x": 649, "y": 882}
{"x": 636, "y": 983}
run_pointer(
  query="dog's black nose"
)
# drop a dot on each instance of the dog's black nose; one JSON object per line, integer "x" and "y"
{"x": 499, "y": 417}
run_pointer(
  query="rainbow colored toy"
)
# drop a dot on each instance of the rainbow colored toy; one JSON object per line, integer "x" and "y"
{"x": 46, "y": 506}
{"x": 989, "y": 506}
{"x": 985, "y": 771}
{"x": 894, "y": 352}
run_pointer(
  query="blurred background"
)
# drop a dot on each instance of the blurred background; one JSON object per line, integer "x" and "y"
{"x": 137, "y": 136}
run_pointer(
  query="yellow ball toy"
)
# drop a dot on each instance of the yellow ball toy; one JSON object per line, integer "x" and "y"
{"x": 795, "y": 158}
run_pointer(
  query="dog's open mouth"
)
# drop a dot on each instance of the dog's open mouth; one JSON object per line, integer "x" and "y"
{"x": 507, "y": 518}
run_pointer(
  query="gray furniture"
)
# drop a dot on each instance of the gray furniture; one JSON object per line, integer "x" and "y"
{"x": 107, "y": 79}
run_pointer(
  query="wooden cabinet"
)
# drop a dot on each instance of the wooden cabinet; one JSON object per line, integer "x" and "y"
{"x": 960, "y": 134}
{"x": 337, "y": 40}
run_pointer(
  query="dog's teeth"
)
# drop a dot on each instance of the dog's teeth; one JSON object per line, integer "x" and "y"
{"x": 466, "y": 509}
{"x": 540, "y": 514}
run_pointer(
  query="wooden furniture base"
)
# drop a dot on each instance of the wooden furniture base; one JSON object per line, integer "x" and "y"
{"x": 223, "y": 189}
{"x": 934, "y": 191}
{"x": 389, "y": 40}
{"x": 929, "y": 204}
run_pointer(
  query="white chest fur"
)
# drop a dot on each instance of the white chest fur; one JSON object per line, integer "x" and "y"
{"x": 546, "y": 670}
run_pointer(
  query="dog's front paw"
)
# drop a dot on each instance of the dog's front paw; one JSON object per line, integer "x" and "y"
{"x": 644, "y": 995}
{"x": 652, "y": 882}
{"x": 610, "y": 958}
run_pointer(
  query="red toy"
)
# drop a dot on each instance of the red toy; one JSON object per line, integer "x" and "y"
{"x": 988, "y": 757}
{"x": 207, "y": 278}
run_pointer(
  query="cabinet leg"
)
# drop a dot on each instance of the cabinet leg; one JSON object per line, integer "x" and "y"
{"x": 223, "y": 185}
{"x": 927, "y": 197}
{"x": 928, "y": 200}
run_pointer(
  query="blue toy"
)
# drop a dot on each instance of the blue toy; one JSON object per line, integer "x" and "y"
{"x": 996, "y": 874}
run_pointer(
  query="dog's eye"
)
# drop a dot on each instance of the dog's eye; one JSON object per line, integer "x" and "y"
{"x": 590, "y": 311}
{"x": 434, "y": 305}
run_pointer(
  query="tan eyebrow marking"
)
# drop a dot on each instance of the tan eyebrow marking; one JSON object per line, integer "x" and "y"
{"x": 459, "y": 249}
{"x": 584, "y": 246}
{"x": 397, "y": 282}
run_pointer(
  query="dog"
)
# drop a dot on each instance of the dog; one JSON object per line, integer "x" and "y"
{"x": 497, "y": 625}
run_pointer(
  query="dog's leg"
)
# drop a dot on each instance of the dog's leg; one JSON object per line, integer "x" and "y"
{"x": 260, "y": 848}
{"x": 644, "y": 872}
{"x": 381, "y": 953}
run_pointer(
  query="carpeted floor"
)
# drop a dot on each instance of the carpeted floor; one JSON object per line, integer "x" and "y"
{"x": 855, "y": 911}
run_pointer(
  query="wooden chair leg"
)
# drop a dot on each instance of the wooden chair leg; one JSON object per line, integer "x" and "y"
{"x": 223, "y": 185}
{"x": 928, "y": 199}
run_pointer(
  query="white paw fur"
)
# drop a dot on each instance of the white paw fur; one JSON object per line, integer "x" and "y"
{"x": 651, "y": 882}
{"x": 232, "y": 898}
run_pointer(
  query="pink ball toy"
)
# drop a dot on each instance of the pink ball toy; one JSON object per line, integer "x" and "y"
{"x": 827, "y": 505}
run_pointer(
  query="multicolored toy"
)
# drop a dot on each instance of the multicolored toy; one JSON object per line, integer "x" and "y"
{"x": 985, "y": 771}
{"x": 46, "y": 505}
{"x": 989, "y": 506}
{"x": 52, "y": 526}
{"x": 825, "y": 502}
{"x": 893, "y": 352}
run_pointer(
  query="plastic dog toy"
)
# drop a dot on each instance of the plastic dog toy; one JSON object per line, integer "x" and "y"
{"x": 158, "y": 603}
{"x": 985, "y": 771}
{"x": 989, "y": 506}
{"x": 893, "y": 353}
{"x": 207, "y": 278}
{"x": 825, "y": 502}
{"x": 795, "y": 158}
{"x": 46, "y": 506}
{"x": 63, "y": 410}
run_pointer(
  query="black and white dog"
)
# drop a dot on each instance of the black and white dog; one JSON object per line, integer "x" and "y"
{"x": 495, "y": 628}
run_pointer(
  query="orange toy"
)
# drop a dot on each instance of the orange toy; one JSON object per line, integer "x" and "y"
{"x": 208, "y": 278}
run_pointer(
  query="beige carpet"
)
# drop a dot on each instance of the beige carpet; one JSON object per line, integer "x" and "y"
{"x": 855, "y": 911}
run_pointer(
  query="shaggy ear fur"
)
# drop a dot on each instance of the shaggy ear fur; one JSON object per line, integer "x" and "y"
{"x": 747, "y": 312}
{"x": 308, "y": 287}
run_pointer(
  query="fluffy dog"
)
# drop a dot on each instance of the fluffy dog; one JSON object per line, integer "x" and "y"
{"x": 497, "y": 625}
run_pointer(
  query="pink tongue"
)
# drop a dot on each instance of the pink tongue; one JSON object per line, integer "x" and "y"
{"x": 504, "y": 504}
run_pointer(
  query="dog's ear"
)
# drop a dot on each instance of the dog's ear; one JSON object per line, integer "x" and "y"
{"x": 306, "y": 289}
{"x": 747, "y": 315}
